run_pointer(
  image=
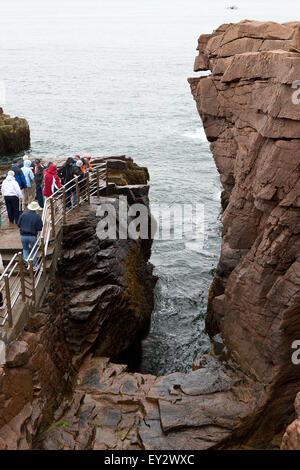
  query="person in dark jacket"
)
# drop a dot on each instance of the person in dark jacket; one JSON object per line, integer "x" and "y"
{"x": 66, "y": 174}
{"x": 39, "y": 181}
{"x": 19, "y": 176}
{"x": 30, "y": 223}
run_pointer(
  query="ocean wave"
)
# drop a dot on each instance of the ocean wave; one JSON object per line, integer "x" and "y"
{"x": 197, "y": 134}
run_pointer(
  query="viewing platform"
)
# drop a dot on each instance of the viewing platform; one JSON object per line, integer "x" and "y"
{"x": 25, "y": 283}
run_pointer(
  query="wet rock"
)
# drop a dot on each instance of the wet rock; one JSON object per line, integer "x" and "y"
{"x": 17, "y": 354}
{"x": 101, "y": 299}
{"x": 14, "y": 134}
{"x": 198, "y": 410}
{"x": 218, "y": 344}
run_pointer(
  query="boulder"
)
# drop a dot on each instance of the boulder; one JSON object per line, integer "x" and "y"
{"x": 14, "y": 134}
{"x": 295, "y": 43}
{"x": 17, "y": 354}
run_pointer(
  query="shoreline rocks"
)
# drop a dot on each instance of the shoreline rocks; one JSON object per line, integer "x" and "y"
{"x": 14, "y": 134}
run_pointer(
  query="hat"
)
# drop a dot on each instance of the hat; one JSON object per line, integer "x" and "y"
{"x": 77, "y": 156}
{"x": 37, "y": 160}
{"x": 79, "y": 163}
{"x": 25, "y": 157}
{"x": 34, "y": 206}
{"x": 10, "y": 173}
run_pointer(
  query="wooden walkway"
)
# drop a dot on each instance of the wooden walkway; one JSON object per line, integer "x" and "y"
{"x": 25, "y": 283}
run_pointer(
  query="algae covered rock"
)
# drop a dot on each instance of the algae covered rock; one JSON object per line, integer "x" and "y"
{"x": 14, "y": 134}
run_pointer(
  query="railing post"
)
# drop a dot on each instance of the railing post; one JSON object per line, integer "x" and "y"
{"x": 52, "y": 217}
{"x": 8, "y": 301}
{"x": 43, "y": 257}
{"x": 22, "y": 279}
{"x": 106, "y": 178}
{"x": 32, "y": 281}
{"x": 64, "y": 205}
{"x": 88, "y": 187}
{"x": 98, "y": 184}
{"x": 77, "y": 194}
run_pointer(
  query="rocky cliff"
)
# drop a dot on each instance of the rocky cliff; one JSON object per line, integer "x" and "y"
{"x": 57, "y": 393}
{"x": 251, "y": 116}
{"x": 241, "y": 397}
{"x": 100, "y": 301}
{"x": 14, "y": 134}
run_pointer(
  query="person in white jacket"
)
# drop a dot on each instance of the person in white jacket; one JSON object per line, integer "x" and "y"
{"x": 29, "y": 192}
{"x": 12, "y": 194}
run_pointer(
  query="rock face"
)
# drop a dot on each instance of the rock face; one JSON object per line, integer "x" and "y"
{"x": 113, "y": 409}
{"x": 291, "y": 438}
{"x": 14, "y": 134}
{"x": 104, "y": 288}
{"x": 241, "y": 397}
{"x": 251, "y": 116}
{"x": 100, "y": 301}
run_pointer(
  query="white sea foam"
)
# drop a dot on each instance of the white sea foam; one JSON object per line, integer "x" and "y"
{"x": 217, "y": 196}
{"x": 197, "y": 134}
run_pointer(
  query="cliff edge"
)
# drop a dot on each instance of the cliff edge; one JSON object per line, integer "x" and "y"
{"x": 250, "y": 110}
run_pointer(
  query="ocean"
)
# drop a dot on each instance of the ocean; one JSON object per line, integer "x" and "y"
{"x": 109, "y": 77}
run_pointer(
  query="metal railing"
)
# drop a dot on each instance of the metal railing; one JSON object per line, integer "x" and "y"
{"x": 21, "y": 279}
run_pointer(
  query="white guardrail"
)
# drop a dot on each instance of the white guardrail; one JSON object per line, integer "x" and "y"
{"x": 16, "y": 283}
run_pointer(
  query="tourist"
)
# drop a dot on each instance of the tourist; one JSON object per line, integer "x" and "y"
{"x": 39, "y": 182}
{"x": 78, "y": 171}
{"x": 66, "y": 174}
{"x": 26, "y": 158}
{"x": 29, "y": 191}
{"x": 30, "y": 223}
{"x": 12, "y": 196}
{"x": 79, "y": 176}
{"x": 19, "y": 176}
{"x": 51, "y": 181}
{"x": 86, "y": 165}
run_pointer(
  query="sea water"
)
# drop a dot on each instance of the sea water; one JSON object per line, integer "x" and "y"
{"x": 109, "y": 77}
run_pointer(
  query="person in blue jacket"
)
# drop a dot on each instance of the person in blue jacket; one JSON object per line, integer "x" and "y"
{"x": 23, "y": 162}
{"x": 29, "y": 192}
{"x": 19, "y": 176}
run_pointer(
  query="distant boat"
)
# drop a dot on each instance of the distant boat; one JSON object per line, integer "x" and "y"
{"x": 232, "y": 7}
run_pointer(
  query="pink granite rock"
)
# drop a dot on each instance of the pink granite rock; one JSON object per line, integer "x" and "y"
{"x": 17, "y": 354}
{"x": 253, "y": 124}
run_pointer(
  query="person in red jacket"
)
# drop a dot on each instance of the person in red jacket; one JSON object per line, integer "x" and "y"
{"x": 51, "y": 181}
